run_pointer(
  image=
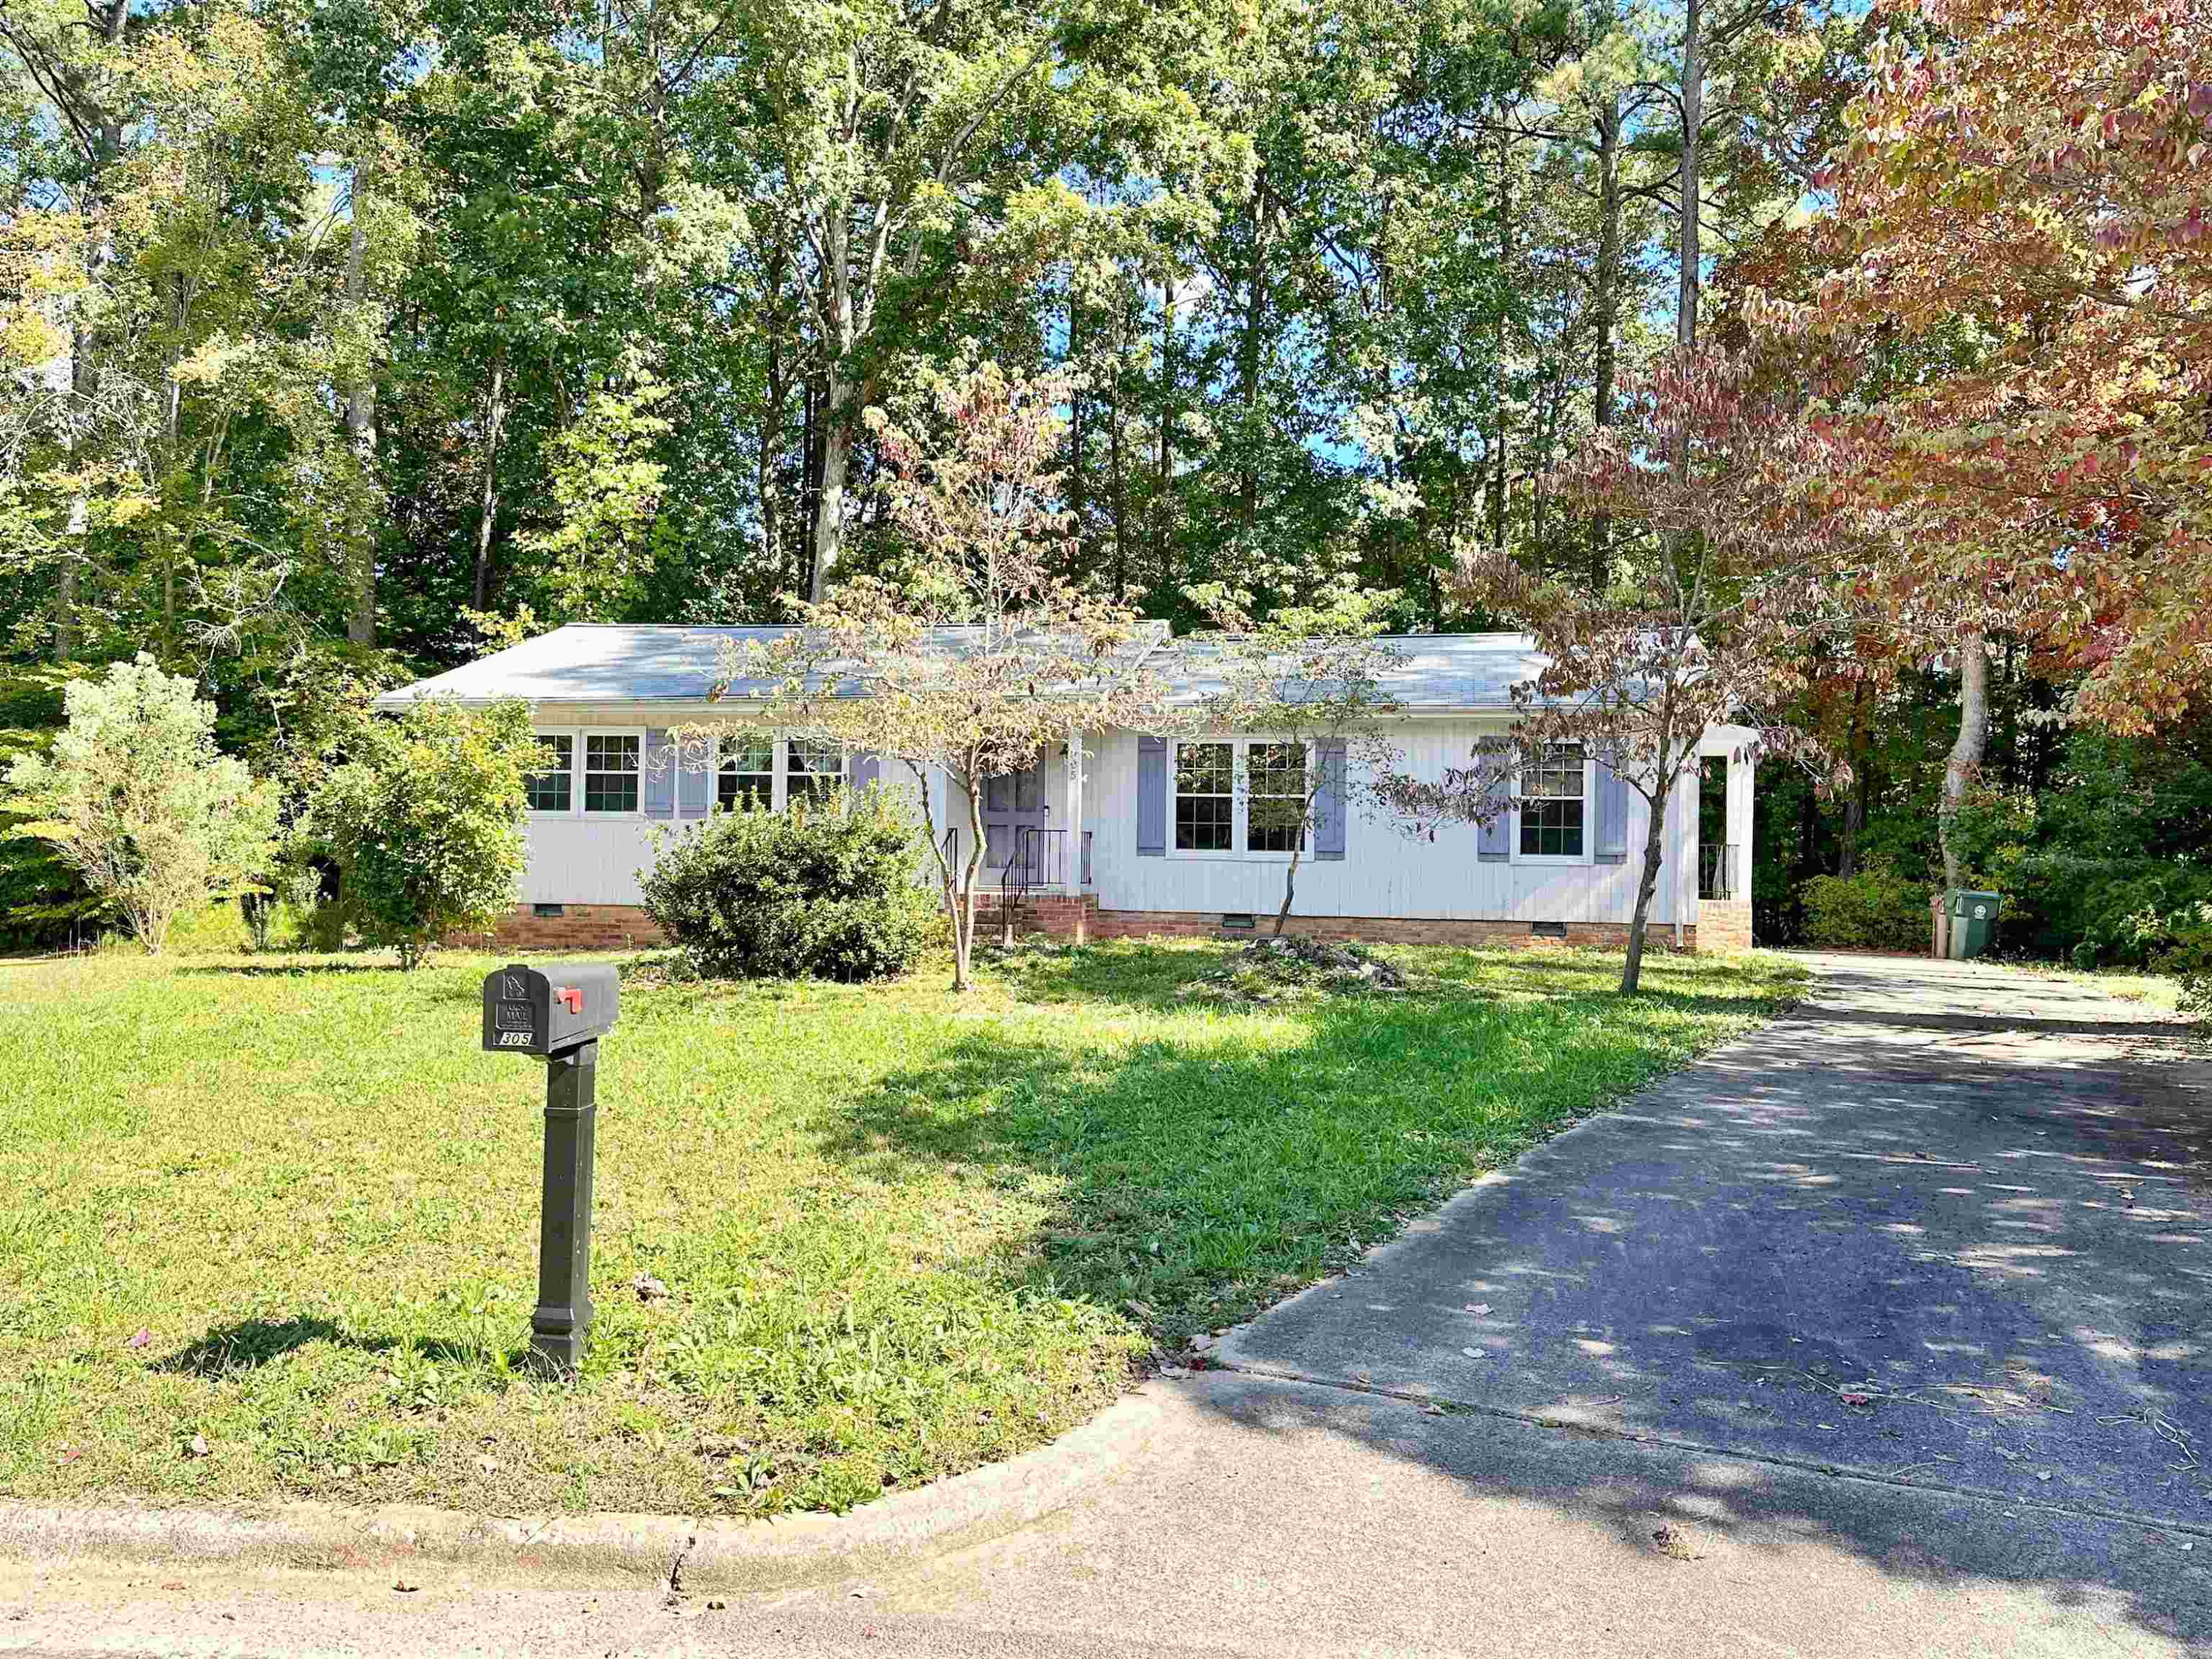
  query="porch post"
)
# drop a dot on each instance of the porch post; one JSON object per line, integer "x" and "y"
{"x": 1071, "y": 869}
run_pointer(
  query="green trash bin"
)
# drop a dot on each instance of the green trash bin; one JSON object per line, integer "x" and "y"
{"x": 1973, "y": 921}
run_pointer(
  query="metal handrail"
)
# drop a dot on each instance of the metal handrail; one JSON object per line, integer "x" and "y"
{"x": 1717, "y": 870}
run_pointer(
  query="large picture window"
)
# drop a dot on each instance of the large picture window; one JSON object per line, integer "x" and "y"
{"x": 1206, "y": 798}
{"x": 610, "y": 772}
{"x": 1551, "y": 801}
{"x": 551, "y": 790}
{"x": 747, "y": 776}
{"x": 1276, "y": 811}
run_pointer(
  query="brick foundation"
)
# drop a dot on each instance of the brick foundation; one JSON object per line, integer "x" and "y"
{"x": 1064, "y": 918}
{"x": 1725, "y": 924}
{"x": 578, "y": 927}
{"x": 1722, "y": 927}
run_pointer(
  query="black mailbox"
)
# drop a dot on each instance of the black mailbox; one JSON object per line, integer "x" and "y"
{"x": 528, "y": 1011}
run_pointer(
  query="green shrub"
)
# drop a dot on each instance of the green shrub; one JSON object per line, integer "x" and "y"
{"x": 2093, "y": 912}
{"x": 1876, "y": 909}
{"x": 826, "y": 893}
{"x": 135, "y": 796}
{"x": 2187, "y": 954}
{"x": 424, "y": 817}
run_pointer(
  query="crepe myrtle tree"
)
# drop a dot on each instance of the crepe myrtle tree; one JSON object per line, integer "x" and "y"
{"x": 976, "y": 504}
{"x": 1307, "y": 686}
{"x": 1734, "y": 559}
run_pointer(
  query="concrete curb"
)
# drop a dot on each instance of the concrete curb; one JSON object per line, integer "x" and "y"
{"x": 703, "y": 1553}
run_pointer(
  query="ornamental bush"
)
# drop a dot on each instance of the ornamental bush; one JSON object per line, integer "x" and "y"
{"x": 423, "y": 816}
{"x": 1876, "y": 909}
{"x": 831, "y": 891}
{"x": 136, "y": 799}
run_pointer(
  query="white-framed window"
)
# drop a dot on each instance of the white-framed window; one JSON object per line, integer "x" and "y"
{"x": 1275, "y": 805}
{"x": 746, "y": 775}
{"x": 1554, "y": 803}
{"x": 813, "y": 768}
{"x": 610, "y": 772}
{"x": 1238, "y": 797}
{"x": 1206, "y": 798}
{"x": 553, "y": 791}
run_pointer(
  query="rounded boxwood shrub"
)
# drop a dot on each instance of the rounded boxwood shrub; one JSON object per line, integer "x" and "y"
{"x": 1876, "y": 909}
{"x": 829, "y": 891}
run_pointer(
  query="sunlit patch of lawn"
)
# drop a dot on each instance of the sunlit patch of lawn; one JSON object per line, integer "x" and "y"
{"x": 903, "y": 1233}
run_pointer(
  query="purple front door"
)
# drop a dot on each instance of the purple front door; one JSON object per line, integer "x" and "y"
{"x": 1011, "y": 804}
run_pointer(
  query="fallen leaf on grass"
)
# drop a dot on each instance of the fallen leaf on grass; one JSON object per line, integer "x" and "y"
{"x": 1478, "y": 1307}
{"x": 172, "y": 1583}
{"x": 197, "y": 1446}
{"x": 139, "y": 1338}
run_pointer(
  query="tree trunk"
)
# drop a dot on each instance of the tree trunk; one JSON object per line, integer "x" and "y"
{"x": 1497, "y": 345}
{"x": 829, "y": 499}
{"x": 1249, "y": 355}
{"x": 1693, "y": 118}
{"x": 1289, "y": 887}
{"x": 964, "y": 940}
{"x": 488, "y": 504}
{"x": 1119, "y": 481}
{"x": 1077, "y": 480}
{"x": 1606, "y": 301}
{"x": 1647, "y": 882}
{"x": 1166, "y": 479}
{"x": 764, "y": 472}
{"x": 1855, "y": 805}
{"x": 360, "y": 436}
{"x": 1965, "y": 760}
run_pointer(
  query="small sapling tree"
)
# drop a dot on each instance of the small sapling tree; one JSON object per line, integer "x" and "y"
{"x": 424, "y": 815}
{"x": 982, "y": 654}
{"x": 138, "y": 800}
{"x": 1307, "y": 686}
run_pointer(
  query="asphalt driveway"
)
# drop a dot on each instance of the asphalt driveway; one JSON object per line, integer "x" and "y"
{"x": 1945, "y": 1225}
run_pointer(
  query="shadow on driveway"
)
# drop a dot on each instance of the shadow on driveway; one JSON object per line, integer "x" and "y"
{"x": 1943, "y": 1228}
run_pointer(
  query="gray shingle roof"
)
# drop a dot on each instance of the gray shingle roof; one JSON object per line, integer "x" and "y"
{"x": 615, "y": 662}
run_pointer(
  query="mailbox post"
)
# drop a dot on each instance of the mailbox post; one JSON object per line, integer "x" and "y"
{"x": 559, "y": 1017}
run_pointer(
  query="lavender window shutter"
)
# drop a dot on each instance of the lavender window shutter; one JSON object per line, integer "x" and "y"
{"x": 1328, "y": 802}
{"x": 1494, "y": 843}
{"x": 656, "y": 785}
{"x": 1612, "y": 816}
{"x": 1152, "y": 798}
{"x": 694, "y": 777}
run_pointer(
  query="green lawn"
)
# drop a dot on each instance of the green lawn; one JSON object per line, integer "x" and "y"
{"x": 903, "y": 1233}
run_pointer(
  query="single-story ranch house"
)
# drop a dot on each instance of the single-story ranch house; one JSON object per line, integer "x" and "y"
{"x": 1117, "y": 833}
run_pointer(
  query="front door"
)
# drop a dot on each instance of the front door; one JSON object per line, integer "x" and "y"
{"x": 1013, "y": 803}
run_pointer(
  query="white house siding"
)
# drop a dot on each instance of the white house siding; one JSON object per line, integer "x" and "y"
{"x": 1383, "y": 872}
{"x": 596, "y": 860}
